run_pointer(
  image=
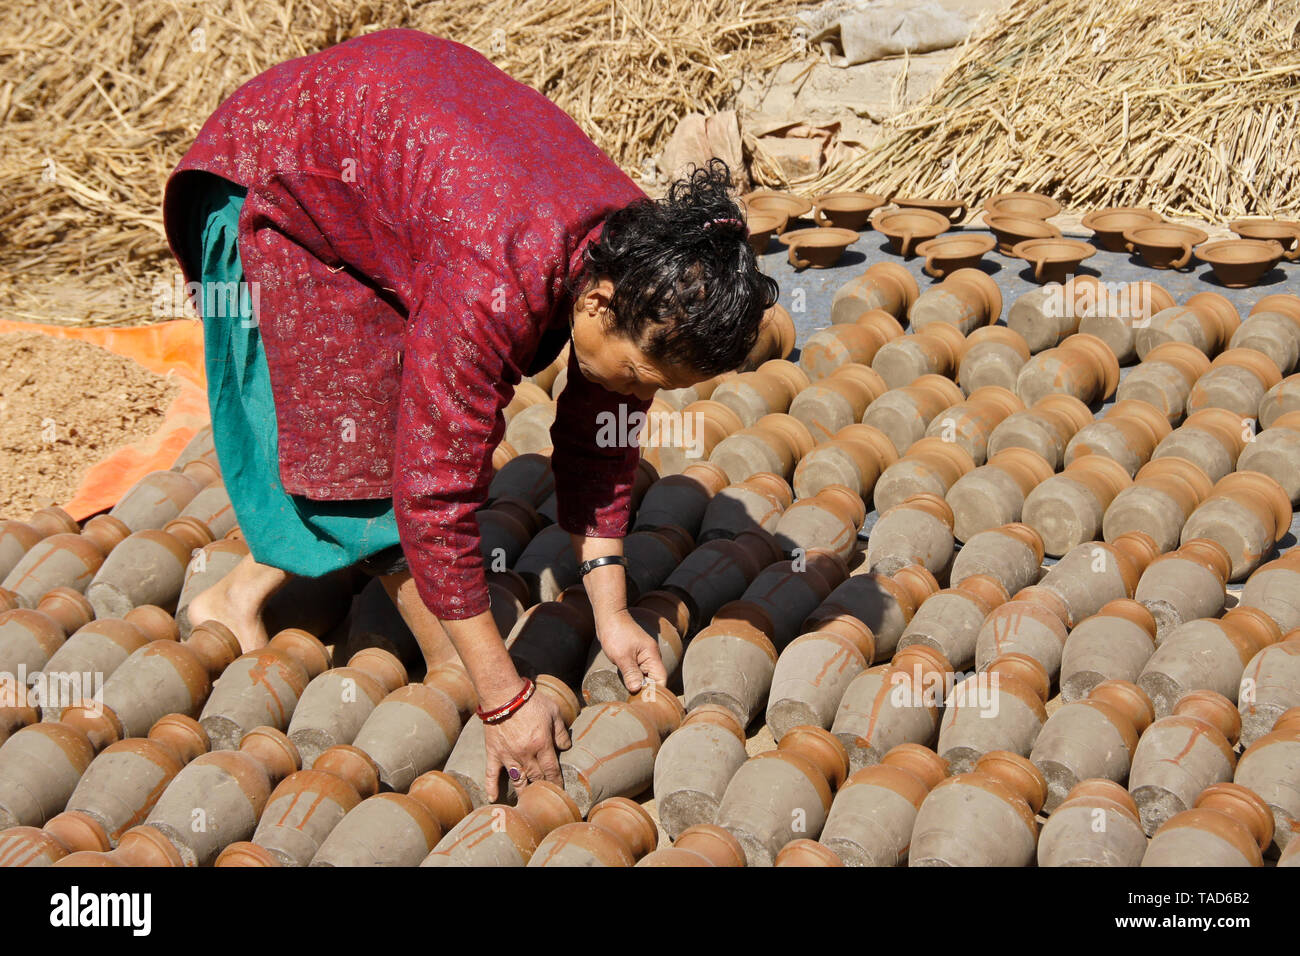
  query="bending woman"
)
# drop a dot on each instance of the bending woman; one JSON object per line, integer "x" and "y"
{"x": 415, "y": 231}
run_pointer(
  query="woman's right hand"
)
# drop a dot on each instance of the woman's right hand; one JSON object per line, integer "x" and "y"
{"x": 526, "y": 741}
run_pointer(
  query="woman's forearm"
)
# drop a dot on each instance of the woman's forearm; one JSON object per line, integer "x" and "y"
{"x": 482, "y": 650}
{"x": 607, "y": 585}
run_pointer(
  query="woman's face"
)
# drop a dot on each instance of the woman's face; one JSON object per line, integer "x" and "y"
{"x": 615, "y": 362}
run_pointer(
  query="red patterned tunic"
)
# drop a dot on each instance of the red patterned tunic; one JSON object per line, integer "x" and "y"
{"x": 411, "y": 214}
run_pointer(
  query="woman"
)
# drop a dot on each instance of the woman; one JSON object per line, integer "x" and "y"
{"x": 414, "y": 232}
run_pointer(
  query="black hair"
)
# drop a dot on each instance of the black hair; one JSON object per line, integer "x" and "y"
{"x": 687, "y": 287}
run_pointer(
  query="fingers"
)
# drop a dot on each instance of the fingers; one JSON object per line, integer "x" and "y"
{"x": 561, "y": 733}
{"x": 652, "y": 664}
{"x": 630, "y": 671}
{"x": 549, "y": 765}
{"x": 493, "y": 775}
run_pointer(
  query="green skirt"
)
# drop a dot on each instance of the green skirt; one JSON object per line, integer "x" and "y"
{"x": 290, "y": 532}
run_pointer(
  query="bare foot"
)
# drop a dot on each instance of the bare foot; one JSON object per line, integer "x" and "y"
{"x": 237, "y": 601}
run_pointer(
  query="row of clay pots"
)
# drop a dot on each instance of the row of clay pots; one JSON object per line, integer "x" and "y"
{"x": 837, "y": 400}
{"x": 851, "y": 341}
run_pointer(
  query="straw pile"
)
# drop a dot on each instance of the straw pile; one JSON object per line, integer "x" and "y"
{"x": 1188, "y": 106}
{"x": 100, "y": 99}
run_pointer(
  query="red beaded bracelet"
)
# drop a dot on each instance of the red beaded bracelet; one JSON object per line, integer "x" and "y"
{"x": 501, "y": 713}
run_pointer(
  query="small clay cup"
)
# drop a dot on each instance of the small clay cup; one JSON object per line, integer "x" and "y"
{"x": 818, "y": 248}
{"x": 1053, "y": 259}
{"x": 1240, "y": 263}
{"x": 1285, "y": 232}
{"x": 1013, "y": 229}
{"x": 1108, "y": 224}
{"x": 762, "y": 226}
{"x": 1022, "y": 204}
{"x": 767, "y": 200}
{"x": 954, "y": 209}
{"x": 1164, "y": 245}
{"x": 946, "y": 254}
{"x": 847, "y": 210}
{"x": 906, "y": 228}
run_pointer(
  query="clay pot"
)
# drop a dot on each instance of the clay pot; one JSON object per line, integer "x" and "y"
{"x": 755, "y": 504}
{"x": 839, "y": 399}
{"x": 1032, "y": 623}
{"x": 918, "y": 530}
{"x": 1165, "y": 491}
{"x": 68, "y": 832}
{"x": 994, "y": 494}
{"x": 1053, "y": 259}
{"x": 848, "y": 342}
{"x": 336, "y": 704}
{"x": 1096, "y": 825}
{"x": 701, "y": 845}
{"x": 64, "y": 560}
{"x": 994, "y": 356}
{"x": 830, "y": 519}
{"x": 618, "y": 833}
{"x": 903, "y": 414}
{"x": 1248, "y": 513}
{"x": 907, "y": 228}
{"x": 398, "y": 829}
{"x": 884, "y": 603}
{"x": 1281, "y": 231}
{"x": 1108, "y": 224}
{"x": 1267, "y": 770}
{"x": 789, "y": 591}
{"x": 1113, "y": 644}
{"x": 505, "y": 836}
{"x": 1273, "y": 330}
{"x": 28, "y": 637}
{"x": 615, "y": 745}
{"x": 1025, "y": 204}
{"x": 731, "y": 661}
{"x": 1127, "y": 434}
{"x": 967, "y": 298}
{"x": 603, "y": 680}
{"x": 526, "y": 476}
{"x": 931, "y": 466}
{"x": 779, "y": 203}
{"x": 1165, "y": 378}
{"x": 954, "y": 209}
{"x": 1240, "y": 263}
{"x": 884, "y": 285}
{"x": 1212, "y": 437}
{"x": 936, "y": 350}
{"x": 1047, "y": 316}
{"x": 780, "y": 795}
{"x": 1093, "y": 574}
{"x": 694, "y": 766}
{"x": 1082, "y": 366}
{"x": 950, "y": 621}
{"x": 1011, "y": 230}
{"x": 1115, "y": 315}
{"x": 1238, "y": 380}
{"x": 983, "y": 818}
{"x": 227, "y": 791}
{"x": 1093, "y": 738}
{"x": 817, "y": 248}
{"x": 1276, "y": 452}
{"x": 1067, "y": 509}
{"x": 813, "y": 672}
{"x": 775, "y": 443}
{"x": 1270, "y": 686}
{"x": 946, "y": 254}
{"x": 1206, "y": 654}
{"x": 762, "y": 226}
{"x": 680, "y": 500}
{"x": 159, "y": 497}
{"x": 1206, "y": 320}
{"x": 776, "y": 337}
{"x": 1045, "y": 428}
{"x": 969, "y": 424}
{"x": 719, "y": 571}
{"x": 1012, "y": 554}
{"x": 1272, "y": 589}
{"x": 1181, "y": 755}
{"x": 140, "y": 846}
{"x": 1164, "y": 245}
{"x": 1228, "y": 826}
{"x": 846, "y": 210}
{"x": 1000, "y": 709}
{"x": 1281, "y": 398}
{"x": 17, "y": 537}
{"x": 147, "y": 568}
{"x": 871, "y": 818}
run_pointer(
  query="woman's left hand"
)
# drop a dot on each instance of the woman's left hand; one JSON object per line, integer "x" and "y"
{"x": 631, "y": 649}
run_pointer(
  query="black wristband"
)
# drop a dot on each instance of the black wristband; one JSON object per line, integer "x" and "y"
{"x": 588, "y": 566}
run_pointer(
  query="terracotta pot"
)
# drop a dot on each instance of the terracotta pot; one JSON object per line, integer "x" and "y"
{"x": 845, "y": 210}
{"x": 776, "y": 337}
{"x": 755, "y": 504}
{"x": 527, "y": 394}
{"x": 498, "y": 835}
{"x": 904, "y": 413}
{"x": 1108, "y": 224}
{"x": 1053, "y": 259}
{"x": 1212, "y": 437}
{"x": 1265, "y": 768}
{"x": 1240, "y": 263}
{"x": 918, "y": 530}
{"x": 818, "y": 248}
{"x": 1238, "y": 380}
{"x": 1003, "y": 793}
{"x": 780, "y": 203}
{"x": 954, "y": 209}
{"x": 884, "y": 603}
{"x": 1228, "y": 826}
{"x": 994, "y": 356}
{"x": 67, "y": 833}
{"x": 1164, "y": 245}
{"x": 526, "y": 476}
{"x": 751, "y": 395}
{"x": 1164, "y": 493}
{"x": 1093, "y": 574}
{"x": 838, "y": 400}
{"x": 1012, "y": 554}
{"x": 29, "y": 637}
{"x": 1011, "y": 230}
{"x": 1281, "y": 398}
{"x": 950, "y": 621}
{"x": 1165, "y": 378}
{"x": 1096, "y": 825}
{"x": 1180, "y": 755}
{"x": 892, "y": 705}
{"x": 397, "y": 829}
{"x": 1276, "y": 453}
{"x": 618, "y": 833}
{"x": 936, "y": 349}
{"x": 828, "y": 520}
{"x": 1082, "y": 366}
{"x": 1115, "y": 315}
{"x": 884, "y": 285}
{"x": 813, "y": 671}
{"x": 1248, "y": 513}
{"x": 336, "y": 704}
{"x": 967, "y": 298}
{"x": 1045, "y": 428}
{"x": 1025, "y": 204}
{"x": 1284, "y": 232}
{"x": 931, "y": 466}
{"x": 994, "y": 494}
{"x": 694, "y": 766}
{"x": 704, "y": 844}
{"x": 17, "y": 537}
{"x": 1112, "y": 645}
{"x": 1032, "y": 623}
{"x": 64, "y": 560}
{"x": 946, "y": 254}
{"x": 906, "y": 228}
{"x": 998, "y": 710}
{"x": 969, "y": 424}
{"x": 762, "y": 226}
{"x": 857, "y": 342}
{"x": 157, "y": 498}
{"x": 1128, "y": 434}
{"x": 1273, "y": 332}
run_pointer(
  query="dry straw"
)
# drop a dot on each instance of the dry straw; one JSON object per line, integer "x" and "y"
{"x": 1189, "y": 106}
{"x": 98, "y": 101}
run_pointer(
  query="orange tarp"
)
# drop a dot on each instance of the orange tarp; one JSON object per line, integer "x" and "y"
{"x": 168, "y": 348}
